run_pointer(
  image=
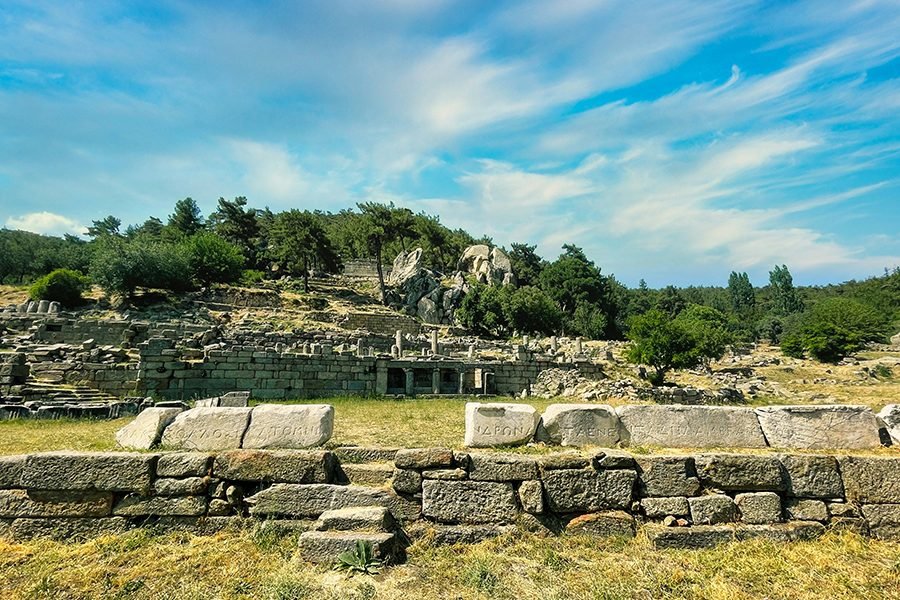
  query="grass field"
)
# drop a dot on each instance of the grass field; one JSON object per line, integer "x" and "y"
{"x": 260, "y": 565}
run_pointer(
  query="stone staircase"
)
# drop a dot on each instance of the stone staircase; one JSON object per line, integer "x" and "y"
{"x": 338, "y": 531}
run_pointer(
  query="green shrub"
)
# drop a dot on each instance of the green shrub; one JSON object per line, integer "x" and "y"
{"x": 251, "y": 277}
{"x": 62, "y": 285}
{"x": 120, "y": 267}
{"x": 832, "y": 329}
{"x": 213, "y": 259}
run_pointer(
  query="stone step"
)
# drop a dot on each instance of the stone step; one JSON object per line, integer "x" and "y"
{"x": 357, "y": 518}
{"x": 326, "y": 546}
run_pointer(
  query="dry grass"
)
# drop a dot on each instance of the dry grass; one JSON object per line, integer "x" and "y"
{"x": 25, "y": 435}
{"x": 253, "y": 564}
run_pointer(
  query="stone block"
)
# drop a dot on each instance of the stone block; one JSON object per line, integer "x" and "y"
{"x": 311, "y": 500}
{"x": 372, "y": 518}
{"x": 659, "y": 508}
{"x": 289, "y": 426}
{"x": 176, "y": 506}
{"x": 101, "y": 471}
{"x": 572, "y": 490}
{"x": 359, "y": 454}
{"x": 713, "y": 509}
{"x": 375, "y": 474}
{"x": 502, "y": 467}
{"x": 565, "y": 460}
{"x": 580, "y": 425}
{"x": 146, "y": 429}
{"x": 183, "y": 464}
{"x": 871, "y": 480}
{"x": 445, "y": 474}
{"x": 667, "y": 476}
{"x": 207, "y": 429}
{"x": 280, "y": 466}
{"x": 498, "y": 424}
{"x": 36, "y": 503}
{"x": 531, "y": 497}
{"x": 883, "y": 520}
{"x": 758, "y": 508}
{"x": 739, "y": 472}
{"x": 407, "y": 481}
{"x": 812, "y": 476}
{"x": 688, "y": 538}
{"x": 468, "y": 501}
{"x": 11, "y": 468}
{"x": 66, "y": 529}
{"x": 423, "y": 458}
{"x": 190, "y": 486}
{"x": 805, "y": 509}
{"x": 324, "y": 547}
{"x": 613, "y": 459}
{"x": 819, "y": 427}
{"x": 613, "y": 523}
{"x": 677, "y": 426}
{"x": 890, "y": 416}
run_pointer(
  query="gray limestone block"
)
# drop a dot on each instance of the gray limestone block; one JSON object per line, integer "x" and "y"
{"x": 66, "y": 529}
{"x": 372, "y": 518}
{"x": 38, "y": 503}
{"x": 207, "y": 429}
{"x": 677, "y": 426}
{"x": 614, "y": 523}
{"x": 502, "y": 467}
{"x": 189, "y": 486}
{"x": 311, "y": 500}
{"x": 740, "y": 472}
{"x": 806, "y": 509}
{"x": 446, "y": 474}
{"x": 667, "y": 476}
{"x": 407, "y": 481}
{"x": 447, "y": 535}
{"x": 360, "y": 454}
{"x": 871, "y": 480}
{"x": 758, "y": 508}
{"x": 146, "y": 429}
{"x": 375, "y": 474}
{"x": 289, "y": 426}
{"x": 819, "y": 427}
{"x": 499, "y": 424}
{"x": 812, "y": 476}
{"x": 713, "y": 509}
{"x": 176, "y": 506}
{"x": 468, "y": 501}
{"x": 102, "y": 471}
{"x": 588, "y": 491}
{"x": 580, "y": 425}
{"x": 324, "y": 547}
{"x": 423, "y": 458}
{"x": 183, "y": 464}
{"x": 287, "y": 466}
{"x": 883, "y": 520}
{"x": 531, "y": 496}
{"x": 658, "y": 508}
{"x": 11, "y": 468}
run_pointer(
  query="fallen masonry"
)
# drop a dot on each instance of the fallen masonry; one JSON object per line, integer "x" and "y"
{"x": 685, "y": 501}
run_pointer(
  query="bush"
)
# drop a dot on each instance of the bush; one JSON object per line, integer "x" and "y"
{"x": 530, "y": 310}
{"x": 588, "y": 321}
{"x": 120, "y": 267}
{"x": 252, "y": 277}
{"x": 832, "y": 329}
{"x": 213, "y": 259}
{"x": 62, "y": 285}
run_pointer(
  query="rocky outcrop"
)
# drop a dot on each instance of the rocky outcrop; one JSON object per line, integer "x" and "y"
{"x": 490, "y": 266}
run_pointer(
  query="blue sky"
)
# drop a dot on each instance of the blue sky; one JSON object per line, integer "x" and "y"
{"x": 672, "y": 140}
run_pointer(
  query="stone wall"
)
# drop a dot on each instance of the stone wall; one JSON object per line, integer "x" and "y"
{"x": 384, "y": 324}
{"x": 680, "y": 500}
{"x": 113, "y": 332}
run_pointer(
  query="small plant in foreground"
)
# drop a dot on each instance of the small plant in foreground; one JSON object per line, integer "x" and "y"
{"x": 360, "y": 560}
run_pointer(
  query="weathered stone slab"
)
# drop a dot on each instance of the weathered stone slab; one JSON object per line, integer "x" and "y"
{"x": 183, "y": 464}
{"x": 289, "y": 426}
{"x": 758, "y": 508}
{"x": 531, "y": 497}
{"x": 659, "y": 508}
{"x": 446, "y": 474}
{"x": 713, "y": 509}
{"x": 361, "y": 454}
{"x": 324, "y": 547}
{"x": 189, "y": 486}
{"x": 502, "y": 467}
{"x": 175, "y": 506}
{"x": 283, "y": 466}
{"x": 375, "y": 474}
{"x": 207, "y": 429}
{"x": 812, "y": 476}
{"x": 689, "y": 538}
{"x": 423, "y": 458}
{"x": 738, "y": 472}
{"x": 677, "y": 426}
{"x": 871, "y": 480}
{"x": 102, "y": 471}
{"x": 407, "y": 481}
{"x": 11, "y": 468}
{"x": 66, "y": 529}
{"x": 580, "y": 425}
{"x": 883, "y": 520}
{"x": 231, "y": 399}
{"x": 372, "y": 518}
{"x": 311, "y": 500}
{"x": 468, "y": 501}
{"x": 613, "y": 459}
{"x": 570, "y": 491}
{"x": 499, "y": 424}
{"x": 564, "y": 460}
{"x": 667, "y": 476}
{"x": 146, "y": 429}
{"x": 34, "y": 503}
{"x": 806, "y": 510}
{"x": 890, "y": 416}
{"x": 614, "y": 523}
{"x": 819, "y": 427}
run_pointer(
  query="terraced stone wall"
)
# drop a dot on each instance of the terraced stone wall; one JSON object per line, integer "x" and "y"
{"x": 678, "y": 500}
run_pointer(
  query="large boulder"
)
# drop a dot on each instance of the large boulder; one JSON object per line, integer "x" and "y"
{"x": 499, "y": 424}
{"x": 820, "y": 427}
{"x": 406, "y": 266}
{"x": 489, "y": 266}
{"x": 147, "y": 428}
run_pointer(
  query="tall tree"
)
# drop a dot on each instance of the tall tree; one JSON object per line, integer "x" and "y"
{"x": 381, "y": 224}
{"x": 106, "y": 226}
{"x": 238, "y": 225}
{"x": 187, "y": 218}
{"x": 298, "y": 241}
{"x": 785, "y": 300}
{"x": 526, "y": 264}
{"x": 671, "y": 301}
{"x": 740, "y": 291}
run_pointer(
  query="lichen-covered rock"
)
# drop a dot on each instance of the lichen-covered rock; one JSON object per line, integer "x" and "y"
{"x": 667, "y": 476}
{"x": 531, "y": 497}
{"x": 371, "y": 518}
{"x": 713, "y": 509}
{"x": 101, "y": 471}
{"x": 207, "y": 429}
{"x": 285, "y": 466}
{"x": 189, "y": 486}
{"x": 289, "y": 426}
{"x": 11, "y": 468}
{"x": 883, "y": 520}
{"x": 580, "y": 425}
{"x": 407, "y": 481}
{"x": 758, "y": 508}
{"x": 325, "y": 547}
{"x": 423, "y": 458}
{"x": 677, "y": 426}
{"x": 66, "y": 529}
{"x": 737, "y": 472}
{"x": 818, "y": 427}
{"x": 572, "y": 490}
{"x": 502, "y": 467}
{"x": 37, "y": 503}
{"x": 499, "y": 424}
{"x": 468, "y": 501}
{"x": 812, "y": 476}
{"x": 175, "y": 506}
{"x": 613, "y": 523}
{"x": 658, "y": 508}
{"x": 183, "y": 464}
{"x": 806, "y": 509}
{"x": 311, "y": 500}
{"x": 146, "y": 429}
{"x": 689, "y": 538}
{"x": 870, "y": 479}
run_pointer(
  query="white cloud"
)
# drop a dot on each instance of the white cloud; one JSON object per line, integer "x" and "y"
{"x": 47, "y": 223}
